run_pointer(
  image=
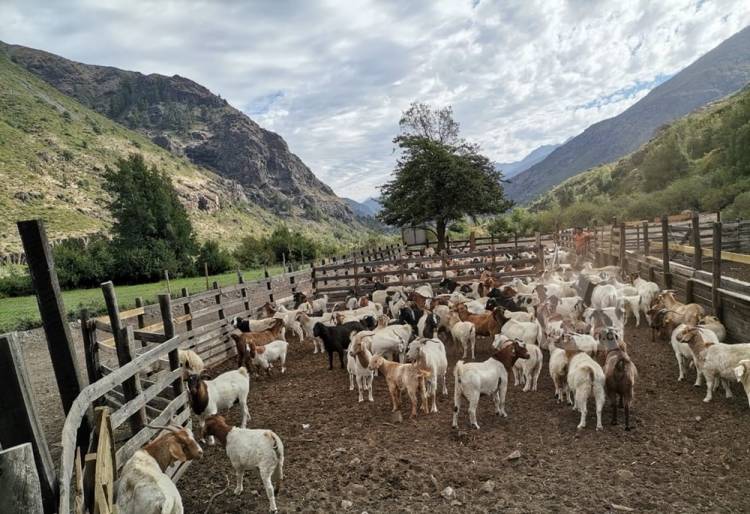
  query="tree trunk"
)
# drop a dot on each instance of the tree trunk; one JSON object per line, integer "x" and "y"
{"x": 440, "y": 230}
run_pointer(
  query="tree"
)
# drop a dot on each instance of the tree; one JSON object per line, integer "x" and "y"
{"x": 152, "y": 230}
{"x": 438, "y": 178}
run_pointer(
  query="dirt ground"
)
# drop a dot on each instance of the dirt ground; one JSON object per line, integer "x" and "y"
{"x": 682, "y": 456}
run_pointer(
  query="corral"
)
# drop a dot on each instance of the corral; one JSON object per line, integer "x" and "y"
{"x": 339, "y": 451}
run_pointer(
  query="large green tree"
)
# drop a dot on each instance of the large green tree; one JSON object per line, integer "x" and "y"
{"x": 152, "y": 230}
{"x": 439, "y": 178}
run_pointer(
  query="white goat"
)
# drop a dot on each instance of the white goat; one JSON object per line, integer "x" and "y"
{"x": 208, "y": 397}
{"x": 742, "y": 373}
{"x": 429, "y": 354}
{"x": 604, "y": 296}
{"x": 251, "y": 449}
{"x": 358, "y": 360}
{"x": 585, "y": 376}
{"x": 269, "y": 353}
{"x": 682, "y": 350}
{"x": 526, "y": 332}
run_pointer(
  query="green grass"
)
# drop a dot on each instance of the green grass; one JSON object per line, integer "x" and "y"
{"x": 21, "y": 313}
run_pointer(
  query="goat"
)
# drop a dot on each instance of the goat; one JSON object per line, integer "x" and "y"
{"x": 252, "y": 325}
{"x": 487, "y": 324}
{"x": 525, "y": 371}
{"x": 717, "y": 361}
{"x": 428, "y": 324}
{"x": 144, "y": 487}
{"x": 690, "y": 313}
{"x": 191, "y": 361}
{"x": 742, "y": 373}
{"x": 620, "y": 376}
{"x": 358, "y": 360}
{"x": 264, "y": 355}
{"x": 308, "y": 323}
{"x": 713, "y": 324}
{"x": 400, "y": 377}
{"x": 429, "y": 354}
{"x": 336, "y": 338}
{"x": 243, "y": 341}
{"x": 489, "y": 377}
{"x": 251, "y": 448}
{"x": 208, "y": 397}
{"x": 585, "y": 376}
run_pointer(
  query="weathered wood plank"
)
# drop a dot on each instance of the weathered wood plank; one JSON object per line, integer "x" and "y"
{"x": 20, "y": 489}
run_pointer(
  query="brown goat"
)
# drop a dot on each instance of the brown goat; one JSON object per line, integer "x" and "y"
{"x": 178, "y": 444}
{"x": 620, "y": 376}
{"x": 688, "y": 313}
{"x": 247, "y": 341}
{"x": 487, "y": 324}
{"x": 400, "y": 377}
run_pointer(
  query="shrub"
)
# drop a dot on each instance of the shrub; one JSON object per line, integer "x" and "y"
{"x": 216, "y": 258}
{"x": 16, "y": 283}
{"x": 83, "y": 266}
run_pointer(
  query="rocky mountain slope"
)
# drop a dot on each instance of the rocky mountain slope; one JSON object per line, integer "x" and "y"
{"x": 53, "y": 152}
{"x": 367, "y": 208}
{"x": 189, "y": 121}
{"x": 720, "y": 72}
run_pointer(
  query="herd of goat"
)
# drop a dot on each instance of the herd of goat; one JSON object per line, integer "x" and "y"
{"x": 577, "y": 317}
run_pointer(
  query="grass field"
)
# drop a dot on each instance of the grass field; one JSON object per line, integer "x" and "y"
{"x": 21, "y": 313}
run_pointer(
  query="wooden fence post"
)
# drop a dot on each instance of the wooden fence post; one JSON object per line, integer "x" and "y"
{"x": 165, "y": 306}
{"x": 515, "y": 242}
{"x": 622, "y": 262}
{"x": 646, "y": 242}
{"x": 217, "y": 298}
{"x": 356, "y": 274}
{"x": 401, "y": 269}
{"x": 90, "y": 346}
{"x": 52, "y": 310}
{"x": 292, "y": 284}
{"x": 20, "y": 422}
{"x": 20, "y": 489}
{"x": 637, "y": 239}
{"x": 665, "y": 252}
{"x": 494, "y": 261}
{"x": 166, "y": 277}
{"x": 716, "y": 272}
{"x": 131, "y": 388}
{"x": 540, "y": 251}
{"x": 610, "y": 252}
{"x": 443, "y": 263}
{"x": 697, "y": 250}
{"x": 187, "y": 309}
{"x": 141, "y": 318}
{"x": 268, "y": 285}
{"x": 243, "y": 292}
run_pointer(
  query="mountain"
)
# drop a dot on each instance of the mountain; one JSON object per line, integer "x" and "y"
{"x": 53, "y": 153}
{"x": 722, "y": 71}
{"x": 369, "y": 208}
{"x": 698, "y": 162}
{"x": 511, "y": 169}
{"x": 189, "y": 121}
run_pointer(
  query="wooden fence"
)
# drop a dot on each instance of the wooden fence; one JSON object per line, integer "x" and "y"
{"x": 358, "y": 274}
{"x": 689, "y": 256}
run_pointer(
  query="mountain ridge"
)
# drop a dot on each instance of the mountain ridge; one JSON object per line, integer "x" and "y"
{"x": 190, "y": 121}
{"x": 511, "y": 169}
{"x": 721, "y": 71}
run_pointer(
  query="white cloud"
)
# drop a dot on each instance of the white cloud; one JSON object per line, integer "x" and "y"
{"x": 333, "y": 77}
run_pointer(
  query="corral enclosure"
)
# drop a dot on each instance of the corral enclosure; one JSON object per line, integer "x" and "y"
{"x": 131, "y": 363}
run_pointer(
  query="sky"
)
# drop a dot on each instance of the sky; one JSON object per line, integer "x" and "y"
{"x": 332, "y": 77}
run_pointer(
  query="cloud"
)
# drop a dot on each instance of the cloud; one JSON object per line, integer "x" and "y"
{"x": 333, "y": 77}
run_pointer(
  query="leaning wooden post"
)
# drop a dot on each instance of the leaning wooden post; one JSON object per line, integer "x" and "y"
{"x": 610, "y": 252}
{"x": 141, "y": 318}
{"x": 443, "y": 264}
{"x": 665, "y": 252}
{"x": 716, "y": 272}
{"x": 646, "y": 242}
{"x": 217, "y": 299}
{"x": 494, "y": 261}
{"x": 187, "y": 309}
{"x": 268, "y": 285}
{"x": 20, "y": 422}
{"x": 622, "y": 263}
{"x": 131, "y": 387}
{"x": 166, "y": 277}
{"x": 62, "y": 350}
{"x": 401, "y": 269}
{"x": 20, "y": 489}
{"x": 243, "y": 292}
{"x": 697, "y": 250}
{"x": 205, "y": 273}
{"x": 165, "y": 306}
{"x": 637, "y": 239}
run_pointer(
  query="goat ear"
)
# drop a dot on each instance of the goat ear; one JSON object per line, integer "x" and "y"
{"x": 739, "y": 372}
{"x": 176, "y": 450}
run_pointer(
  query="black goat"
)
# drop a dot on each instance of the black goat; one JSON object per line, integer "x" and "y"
{"x": 508, "y": 303}
{"x": 430, "y": 325}
{"x": 410, "y": 316}
{"x": 448, "y": 284}
{"x": 241, "y": 324}
{"x": 336, "y": 338}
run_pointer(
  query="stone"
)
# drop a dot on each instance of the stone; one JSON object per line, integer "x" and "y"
{"x": 346, "y": 504}
{"x": 488, "y": 486}
{"x": 515, "y": 455}
{"x": 355, "y": 490}
{"x": 448, "y": 493}
{"x": 354, "y": 462}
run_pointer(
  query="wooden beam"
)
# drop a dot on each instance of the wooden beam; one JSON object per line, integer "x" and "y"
{"x": 165, "y": 304}
{"x": 62, "y": 350}
{"x": 665, "y": 252}
{"x": 125, "y": 353}
{"x": 20, "y": 422}
{"x": 621, "y": 257}
{"x": 646, "y": 242}
{"x": 716, "y": 272}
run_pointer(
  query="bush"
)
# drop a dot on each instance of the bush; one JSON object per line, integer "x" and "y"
{"x": 16, "y": 284}
{"x": 80, "y": 265}
{"x": 216, "y": 258}
{"x": 282, "y": 244}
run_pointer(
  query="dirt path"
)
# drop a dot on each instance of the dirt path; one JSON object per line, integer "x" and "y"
{"x": 683, "y": 456}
